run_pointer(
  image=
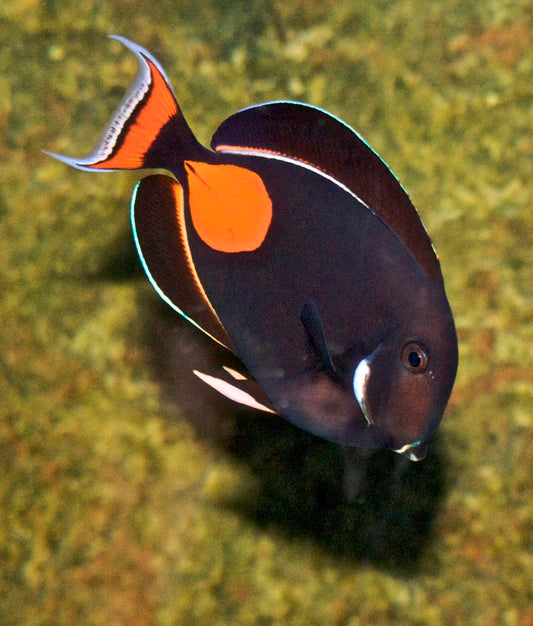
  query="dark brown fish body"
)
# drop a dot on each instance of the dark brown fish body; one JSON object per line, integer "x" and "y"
{"x": 293, "y": 245}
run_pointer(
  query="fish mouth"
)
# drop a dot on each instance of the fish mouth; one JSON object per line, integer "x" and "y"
{"x": 415, "y": 451}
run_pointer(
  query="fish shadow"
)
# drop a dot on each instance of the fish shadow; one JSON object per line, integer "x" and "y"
{"x": 372, "y": 506}
{"x": 368, "y": 506}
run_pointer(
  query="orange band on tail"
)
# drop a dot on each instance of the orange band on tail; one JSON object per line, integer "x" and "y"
{"x": 139, "y": 131}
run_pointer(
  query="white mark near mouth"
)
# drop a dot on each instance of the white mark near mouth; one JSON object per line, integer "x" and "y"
{"x": 360, "y": 383}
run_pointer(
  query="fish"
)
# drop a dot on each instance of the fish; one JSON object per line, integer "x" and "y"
{"x": 292, "y": 244}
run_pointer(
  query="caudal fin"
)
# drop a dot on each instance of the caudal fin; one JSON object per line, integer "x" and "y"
{"x": 147, "y": 130}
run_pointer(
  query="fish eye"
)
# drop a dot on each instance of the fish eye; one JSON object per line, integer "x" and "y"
{"x": 415, "y": 357}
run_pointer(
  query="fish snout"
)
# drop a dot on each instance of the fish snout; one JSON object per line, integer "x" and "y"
{"x": 413, "y": 451}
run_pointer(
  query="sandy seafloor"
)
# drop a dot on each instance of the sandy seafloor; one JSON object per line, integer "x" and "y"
{"x": 129, "y": 495}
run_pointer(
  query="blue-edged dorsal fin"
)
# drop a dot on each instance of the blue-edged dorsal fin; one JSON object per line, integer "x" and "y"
{"x": 147, "y": 130}
{"x": 315, "y": 138}
{"x": 161, "y": 239}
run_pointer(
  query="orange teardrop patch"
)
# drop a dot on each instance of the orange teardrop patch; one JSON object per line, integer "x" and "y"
{"x": 230, "y": 207}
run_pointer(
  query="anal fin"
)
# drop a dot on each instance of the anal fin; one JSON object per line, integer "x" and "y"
{"x": 161, "y": 239}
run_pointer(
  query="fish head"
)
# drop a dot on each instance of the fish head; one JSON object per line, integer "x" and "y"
{"x": 403, "y": 385}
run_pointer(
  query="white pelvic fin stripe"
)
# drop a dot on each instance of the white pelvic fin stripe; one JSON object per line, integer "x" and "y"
{"x": 230, "y": 391}
{"x": 237, "y": 375}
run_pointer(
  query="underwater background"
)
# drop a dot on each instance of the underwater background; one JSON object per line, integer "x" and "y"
{"x": 131, "y": 495}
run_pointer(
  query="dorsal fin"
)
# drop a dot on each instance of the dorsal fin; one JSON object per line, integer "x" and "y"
{"x": 147, "y": 129}
{"x": 312, "y": 136}
{"x": 159, "y": 231}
